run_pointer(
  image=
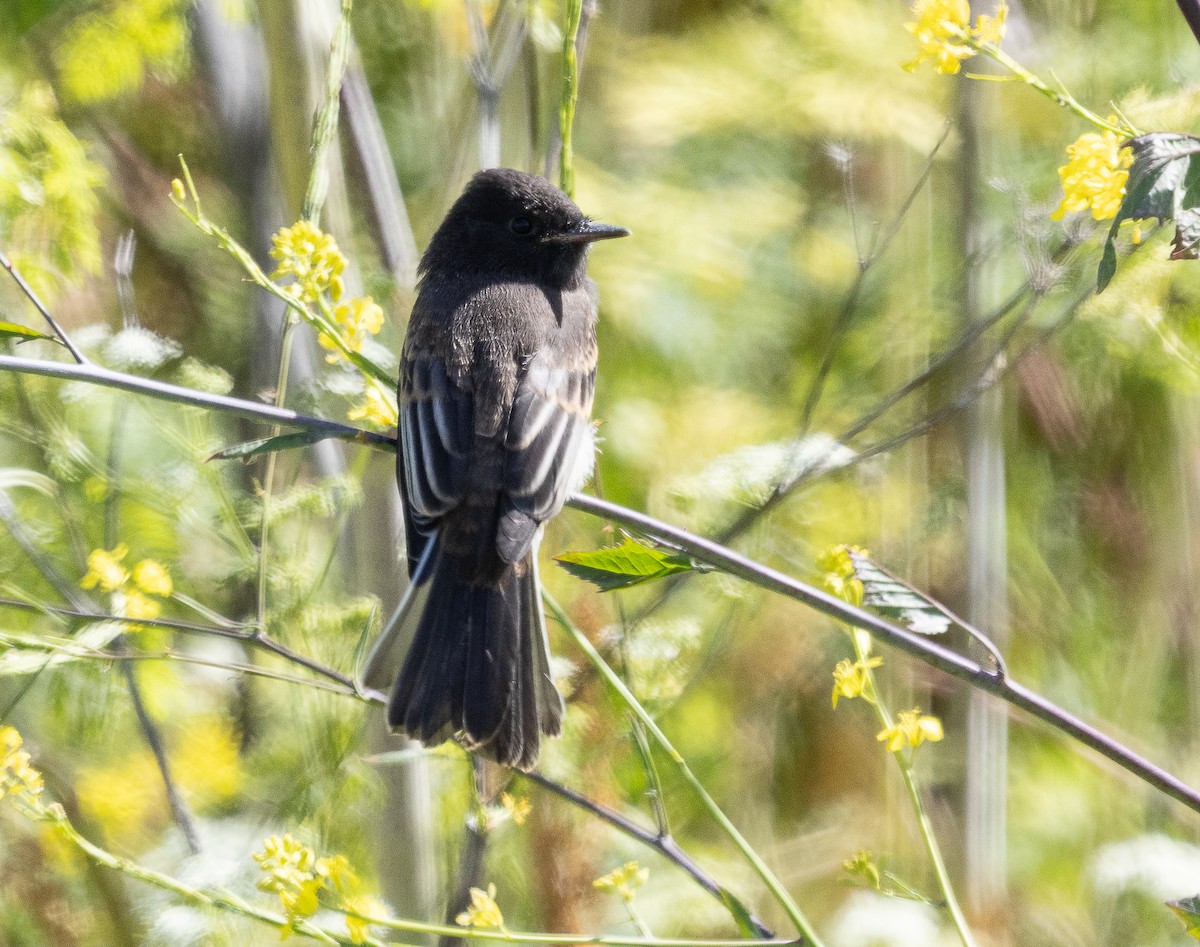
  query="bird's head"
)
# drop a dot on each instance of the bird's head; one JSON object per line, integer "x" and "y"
{"x": 515, "y": 226}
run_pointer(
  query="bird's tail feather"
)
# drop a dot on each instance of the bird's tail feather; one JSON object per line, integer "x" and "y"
{"x": 478, "y": 667}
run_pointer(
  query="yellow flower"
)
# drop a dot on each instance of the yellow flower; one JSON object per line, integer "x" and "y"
{"x": 378, "y": 407}
{"x": 518, "y": 808}
{"x": 132, "y": 603}
{"x": 940, "y": 28}
{"x": 944, "y": 35}
{"x": 358, "y": 318}
{"x": 126, "y": 798}
{"x": 623, "y": 881}
{"x": 850, "y": 678}
{"x": 863, "y": 866}
{"x": 17, "y": 778}
{"x": 991, "y": 29}
{"x": 105, "y": 569}
{"x": 153, "y": 577}
{"x": 367, "y": 906}
{"x": 291, "y": 871}
{"x": 312, "y": 257}
{"x": 483, "y": 910}
{"x": 838, "y": 576}
{"x": 1094, "y": 176}
{"x": 912, "y": 728}
{"x": 207, "y": 761}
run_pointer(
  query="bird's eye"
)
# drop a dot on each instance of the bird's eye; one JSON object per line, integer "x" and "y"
{"x": 522, "y": 226}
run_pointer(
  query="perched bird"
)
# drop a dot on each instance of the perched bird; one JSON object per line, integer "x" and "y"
{"x": 496, "y": 388}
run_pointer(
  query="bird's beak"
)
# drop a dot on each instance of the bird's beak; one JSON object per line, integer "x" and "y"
{"x": 589, "y": 232}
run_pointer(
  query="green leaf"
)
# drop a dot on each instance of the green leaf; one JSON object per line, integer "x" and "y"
{"x": 620, "y": 567}
{"x": 14, "y": 330}
{"x": 741, "y": 915}
{"x": 888, "y": 595}
{"x": 1162, "y": 184}
{"x": 268, "y": 445}
{"x": 1188, "y": 911}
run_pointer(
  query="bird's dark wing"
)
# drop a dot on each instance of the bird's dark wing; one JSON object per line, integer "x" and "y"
{"x": 437, "y": 428}
{"x": 548, "y": 448}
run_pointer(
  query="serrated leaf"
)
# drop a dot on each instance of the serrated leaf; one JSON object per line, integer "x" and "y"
{"x": 889, "y": 596}
{"x": 1188, "y": 911}
{"x": 1162, "y": 184}
{"x": 268, "y": 445}
{"x": 620, "y": 567}
{"x": 14, "y": 330}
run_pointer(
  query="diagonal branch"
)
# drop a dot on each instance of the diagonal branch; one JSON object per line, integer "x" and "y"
{"x": 930, "y": 652}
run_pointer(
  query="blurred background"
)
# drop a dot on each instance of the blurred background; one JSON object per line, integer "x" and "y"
{"x": 813, "y": 228}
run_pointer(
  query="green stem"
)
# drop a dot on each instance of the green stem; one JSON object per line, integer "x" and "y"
{"x": 1066, "y": 100}
{"x": 764, "y": 872}
{"x": 325, "y": 127}
{"x": 209, "y": 899}
{"x": 570, "y": 96}
{"x": 285, "y": 361}
{"x": 905, "y": 762}
{"x": 228, "y": 901}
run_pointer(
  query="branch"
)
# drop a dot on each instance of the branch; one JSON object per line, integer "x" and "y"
{"x": 236, "y": 407}
{"x": 921, "y": 648}
{"x": 1191, "y": 12}
{"x": 665, "y": 845}
{"x": 702, "y": 549}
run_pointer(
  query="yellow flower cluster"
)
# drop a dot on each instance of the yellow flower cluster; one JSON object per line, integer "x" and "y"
{"x": 109, "y": 51}
{"x": 838, "y": 574}
{"x": 850, "y": 677}
{"x": 944, "y": 34}
{"x": 518, "y": 807}
{"x": 1094, "y": 176}
{"x": 912, "y": 728}
{"x": 18, "y": 779}
{"x": 483, "y": 911}
{"x": 312, "y": 257}
{"x": 294, "y": 872}
{"x": 130, "y": 591}
{"x": 624, "y": 881}
{"x": 378, "y": 407}
{"x": 126, "y": 796}
{"x": 357, "y": 318}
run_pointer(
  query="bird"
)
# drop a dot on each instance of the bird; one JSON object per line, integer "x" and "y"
{"x": 498, "y": 374}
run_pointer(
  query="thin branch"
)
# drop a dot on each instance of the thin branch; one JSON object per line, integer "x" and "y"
{"x": 665, "y": 845}
{"x": 850, "y": 303}
{"x": 27, "y": 290}
{"x": 251, "y": 410}
{"x": 704, "y": 550}
{"x": 923, "y": 649}
{"x": 246, "y": 636}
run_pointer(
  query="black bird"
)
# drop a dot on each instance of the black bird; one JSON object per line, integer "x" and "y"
{"x": 499, "y": 370}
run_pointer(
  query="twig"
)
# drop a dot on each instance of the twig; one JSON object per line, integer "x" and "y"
{"x": 795, "y": 915}
{"x": 850, "y": 303}
{"x": 247, "y": 637}
{"x": 237, "y": 407}
{"x": 180, "y": 811}
{"x": 27, "y": 290}
{"x": 921, "y": 648}
{"x": 665, "y": 845}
